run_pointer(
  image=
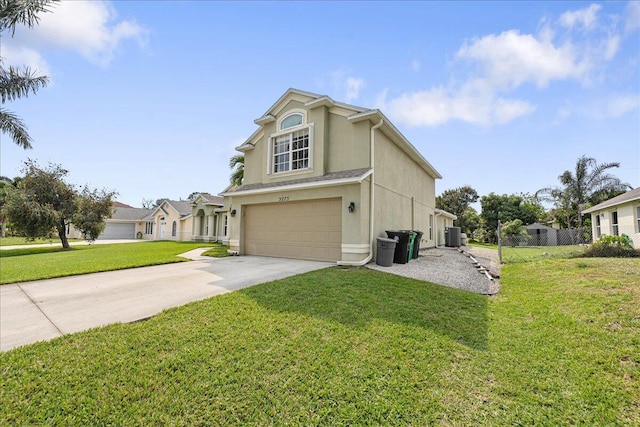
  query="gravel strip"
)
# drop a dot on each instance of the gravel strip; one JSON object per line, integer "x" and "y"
{"x": 449, "y": 267}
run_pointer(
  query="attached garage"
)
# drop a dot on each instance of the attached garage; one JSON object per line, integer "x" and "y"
{"x": 114, "y": 230}
{"x": 310, "y": 229}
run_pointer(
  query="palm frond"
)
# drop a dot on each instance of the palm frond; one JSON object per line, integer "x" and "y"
{"x": 14, "y": 12}
{"x": 19, "y": 82}
{"x": 15, "y": 128}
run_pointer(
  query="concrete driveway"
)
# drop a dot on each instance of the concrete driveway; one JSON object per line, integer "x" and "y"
{"x": 46, "y": 309}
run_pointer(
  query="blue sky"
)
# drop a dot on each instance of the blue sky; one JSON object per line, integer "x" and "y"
{"x": 150, "y": 98}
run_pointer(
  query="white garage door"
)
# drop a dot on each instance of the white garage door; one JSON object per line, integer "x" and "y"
{"x": 305, "y": 230}
{"x": 118, "y": 231}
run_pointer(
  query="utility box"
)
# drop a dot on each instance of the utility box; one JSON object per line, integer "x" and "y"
{"x": 452, "y": 237}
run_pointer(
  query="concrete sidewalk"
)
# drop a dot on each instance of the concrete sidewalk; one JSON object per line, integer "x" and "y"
{"x": 45, "y": 309}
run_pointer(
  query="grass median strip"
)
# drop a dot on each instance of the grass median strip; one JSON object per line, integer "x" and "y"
{"x": 25, "y": 264}
{"x": 340, "y": 346}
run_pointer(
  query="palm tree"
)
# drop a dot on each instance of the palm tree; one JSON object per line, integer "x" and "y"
{"x": 18, "y": 82}
{"x": 5, "y": 184}
{"x": 237, "y": 164}
{"x": 589, "y": 185}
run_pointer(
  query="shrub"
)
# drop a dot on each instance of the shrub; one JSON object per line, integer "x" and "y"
{"x": 613, "y": 247}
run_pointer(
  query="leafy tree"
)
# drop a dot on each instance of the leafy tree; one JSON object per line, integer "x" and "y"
{"x": 5, "y": 184}
{"x": 18, "y": 82}
{"x": 471, "y": 221}
{"x": 515, "y": 231}
{"x": 505, "y": 208}
{"x": 236, "y": 163}
{"x": 588, "y": 185}
{"x": 457, "y": 201}
{"x": 44, "y": 202}
{"x": 92, "y": 208}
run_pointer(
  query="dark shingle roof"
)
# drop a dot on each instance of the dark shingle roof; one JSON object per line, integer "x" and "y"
{"x": 130, "y": 214}
{"x": 332, "y": 176}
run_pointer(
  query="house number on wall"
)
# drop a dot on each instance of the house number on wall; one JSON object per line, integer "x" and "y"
{"x": 283, "y": 199}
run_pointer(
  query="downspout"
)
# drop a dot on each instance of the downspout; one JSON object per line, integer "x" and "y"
{"x": 371, "y": 202}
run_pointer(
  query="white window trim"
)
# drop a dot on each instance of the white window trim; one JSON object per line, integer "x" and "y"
{"x": 290, "y": 130}
{"x": 300, "y": 111}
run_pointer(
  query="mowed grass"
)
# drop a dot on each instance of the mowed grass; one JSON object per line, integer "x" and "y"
{"x": 558, "y": 346}
{"x": 27, "y": 263}
{"x": 14, "y": 241}
{"x": 515, "y": 254}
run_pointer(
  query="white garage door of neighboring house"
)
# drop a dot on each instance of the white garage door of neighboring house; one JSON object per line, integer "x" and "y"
{"x": 305, "y": 230}
{"x": 116, "y": 230}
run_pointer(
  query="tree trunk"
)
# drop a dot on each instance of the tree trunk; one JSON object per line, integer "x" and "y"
{"x": 3, "y": 227}
{"x": 62, "y": 228}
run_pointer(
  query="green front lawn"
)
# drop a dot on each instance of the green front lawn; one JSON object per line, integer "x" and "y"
{"x": 28, "y": 263}
{"x": 15, "y": 241}
{"x": 558, "y": 346}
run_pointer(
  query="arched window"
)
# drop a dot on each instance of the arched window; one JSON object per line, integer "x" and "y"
{"x": 290, "y": 147}
{"x": 294, "y": 119}
{"x": 174, "y": 229}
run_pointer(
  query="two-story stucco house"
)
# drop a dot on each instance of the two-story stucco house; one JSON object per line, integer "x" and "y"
{"x": 617, "y": 216}
{"x": 324, "y": 179}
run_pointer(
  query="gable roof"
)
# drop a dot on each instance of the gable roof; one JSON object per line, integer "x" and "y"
{"x": 183, "y": 208}
{"x": 209, "y": 199}
{"x": 352, "y": 112}
{"x": 117, "y": 204}
{"x": 129, "y": 214}
{"x": 629, "y": 196}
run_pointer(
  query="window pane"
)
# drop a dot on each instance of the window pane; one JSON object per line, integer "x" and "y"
{"x": 291, "y": 121}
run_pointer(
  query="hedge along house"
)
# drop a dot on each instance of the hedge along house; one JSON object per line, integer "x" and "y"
{"x": 324, "y": 179}
{"x": 210, "y": 219}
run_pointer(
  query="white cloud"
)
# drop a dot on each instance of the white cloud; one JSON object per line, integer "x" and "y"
{"x": 511, "y": 59}
{"x": 620, "y": 105}
{"x": 90, "y": 28}
{"x": 499, "y": 64}
{"x": 586, "y": 18}
{"x": 24, "y": 56}
{"x": 353, "y": 86}
{"x": 440, "y": 105}
{"x": 632, "y": 15}
{"x": 348, "y": 86}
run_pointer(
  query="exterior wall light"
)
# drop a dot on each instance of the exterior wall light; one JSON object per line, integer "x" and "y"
{"x": 233, "y": 212}
{"x": 352, "y": 207}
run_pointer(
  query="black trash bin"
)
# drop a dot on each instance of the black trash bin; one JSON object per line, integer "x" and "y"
{"x": 386, "y": 249}
{"x": 401, "y": 254}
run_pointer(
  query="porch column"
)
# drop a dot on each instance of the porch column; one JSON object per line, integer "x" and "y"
{"x": 196, "y": 226}
{"x": 211, "y": 231}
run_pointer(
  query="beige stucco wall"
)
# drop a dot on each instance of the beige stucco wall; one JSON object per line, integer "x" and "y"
{"x": 404, "y": 192}
{"x": 627, "y": 222}
{"x": 354, "y": 225}
{"x": 183, "y": 226}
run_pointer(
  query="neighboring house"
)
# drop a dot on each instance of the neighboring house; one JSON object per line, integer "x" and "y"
{"x": 617, "y": 216}
{"x": 210, "y": 219}
{"x": 126, "y": 222}
{"x": 323, "y": 180}
{"x": 171, "y": 220}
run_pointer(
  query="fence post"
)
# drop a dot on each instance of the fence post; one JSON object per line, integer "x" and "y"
{"x": 499, "y": 242}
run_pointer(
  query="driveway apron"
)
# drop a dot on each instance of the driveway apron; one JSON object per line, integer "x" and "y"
{"x": 45, "y": 309}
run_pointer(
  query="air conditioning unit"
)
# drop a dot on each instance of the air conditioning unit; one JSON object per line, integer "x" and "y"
{"x": 452, "y": 237}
